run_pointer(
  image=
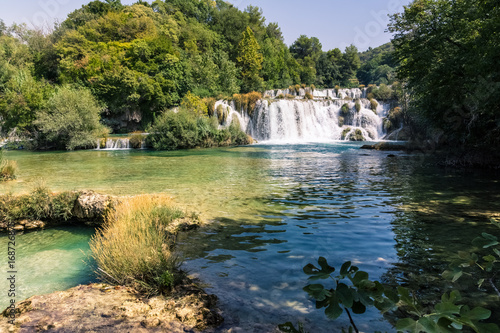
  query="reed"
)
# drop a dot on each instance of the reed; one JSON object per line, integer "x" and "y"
{"x": 135, "y": 245}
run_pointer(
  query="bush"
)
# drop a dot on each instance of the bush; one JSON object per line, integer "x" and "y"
{"x": 173, "y": 130}
{"x": 136, "y": 141}
{"x": 70, "y": 120}
{"x": 345, "y": 110}
{"x": 373, "y": 105}
{"x": 358, "y": 106}
{"x": 313, "y": 87}
{"x": 280, "y": 96}
{"x": 341, "y": 121}
{"x": 134, "y": 246}
{"x": 7, "y": 168}
{"x": 345, "y": 132}
{"x": 308, "y": 96}
{"x": 358, "y": 136}
{"x": 194, "y": 104}
{"x": 40, "y": 204}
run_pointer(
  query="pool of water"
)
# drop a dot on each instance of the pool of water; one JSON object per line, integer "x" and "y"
{"x": 275, "y": 208}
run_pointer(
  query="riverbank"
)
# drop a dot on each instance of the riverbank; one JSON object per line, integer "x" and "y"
{"x": 101, "y": 308}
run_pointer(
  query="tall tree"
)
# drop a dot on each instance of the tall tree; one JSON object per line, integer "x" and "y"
{"x": 450, "y": 55}
{"x": 250, "y": 61}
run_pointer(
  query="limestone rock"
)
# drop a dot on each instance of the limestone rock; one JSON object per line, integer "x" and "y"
{"x": 92, "y": 206}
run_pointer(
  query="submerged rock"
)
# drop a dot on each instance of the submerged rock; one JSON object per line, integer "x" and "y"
{"x": 104, "y": 308}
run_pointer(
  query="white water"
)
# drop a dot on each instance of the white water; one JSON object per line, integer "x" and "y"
{"x": 300, "y": 120}
{"x": 115, "y": 144}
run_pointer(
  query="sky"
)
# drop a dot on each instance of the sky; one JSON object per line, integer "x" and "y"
{"x": 336, "y": 23}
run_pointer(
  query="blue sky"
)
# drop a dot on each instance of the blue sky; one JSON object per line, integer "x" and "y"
{"x": 337, "y": 23}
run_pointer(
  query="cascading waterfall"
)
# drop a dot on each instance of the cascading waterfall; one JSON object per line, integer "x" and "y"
{"x": 322, "y": 119}
{"x": 114, "y": 144}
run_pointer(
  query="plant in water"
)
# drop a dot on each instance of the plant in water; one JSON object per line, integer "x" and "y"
{"x": 308, "y": 95}
{"x": 345, "y": 109}
{"x": 358, "y": 105}
{"x": 134, "y": 247}
{"x": 7, "y": 168}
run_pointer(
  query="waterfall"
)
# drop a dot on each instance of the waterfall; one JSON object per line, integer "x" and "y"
{"x": 322, "y": 119}
{"x": 114, "y": 144}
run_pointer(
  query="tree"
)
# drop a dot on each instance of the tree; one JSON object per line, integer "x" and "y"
{"x": 306, "y": 47}
{"x": 250, "y": 61}
{"x": 70, "y": 120}
{"x": 448, "y": 54}
{"x": 350, "y": 65}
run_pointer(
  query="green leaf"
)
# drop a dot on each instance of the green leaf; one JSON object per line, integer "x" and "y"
{"x": 344, "y": 270}
{"x": 324, "y": 265}
{"x": 334, "y": 310}
{"x": 358, "y": 277}
{"x": 486, "y": 241}
{"x": 391, "y": 294}
{"x": 344, "y": 294}
{"x": 478, "y": 313}
{"x": 408, "y": 324}
{"x": 310, "y": 269}
{"x": 489, "y": 258}
{"x": 487, "y": 328}
{"x": 358, "y": 307}
{"x": 447, "y": 308}
{"x": 317, "y": 291}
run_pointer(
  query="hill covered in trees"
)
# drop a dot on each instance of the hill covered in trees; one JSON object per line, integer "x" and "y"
{"x": 139, "y": 60}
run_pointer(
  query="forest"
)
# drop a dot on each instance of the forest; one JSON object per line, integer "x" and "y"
{"x": 126, "y": 65}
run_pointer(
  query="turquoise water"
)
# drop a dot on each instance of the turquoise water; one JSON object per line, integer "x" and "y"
{"x": 276, "y": 208}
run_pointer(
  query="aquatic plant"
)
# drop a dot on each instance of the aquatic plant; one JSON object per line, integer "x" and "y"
{"x": 8, "y": 168}
{"x": 373, "y": 105}
{"x": 134, "y": 247}
{"x": 136, "y": 141}
{"x": 358, "y": 105}
{"x": 345, "y": 110}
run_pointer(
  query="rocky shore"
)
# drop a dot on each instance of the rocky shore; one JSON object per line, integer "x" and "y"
{"x": 104, "y": 308}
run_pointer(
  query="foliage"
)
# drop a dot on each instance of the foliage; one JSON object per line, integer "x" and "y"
{"x": 358, "y": 106}
{"x": 308, "y": 95}
{"x": 40, "y": 204}
{"x": 377, "y": 65}
{"x": 7, "y": 168}
{"x": 448, "y": 55}
{"x": 345, "y": 110}
{"x": 373, "y": 105}
{"x": 183, "y": 130}
{"x": 195, "y": 105}
{"x": 70, "y": 120}
{"x": 136, "y": 141}
{"x": 250, "y": 61}
{"x": 360, "y": 292}
{"x": 134, "y": 247}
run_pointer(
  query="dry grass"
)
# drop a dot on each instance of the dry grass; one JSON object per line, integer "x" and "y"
{"x": 134, "y": 247}
{"x": 8, "y": 170}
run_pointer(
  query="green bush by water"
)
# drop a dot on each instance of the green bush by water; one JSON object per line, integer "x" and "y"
{"x": 182, "y": 130}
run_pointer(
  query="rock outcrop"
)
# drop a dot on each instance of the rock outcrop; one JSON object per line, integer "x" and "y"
{"x": 103, "y": 308}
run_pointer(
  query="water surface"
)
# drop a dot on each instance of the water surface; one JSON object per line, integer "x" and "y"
{"x": 275, "y": 208}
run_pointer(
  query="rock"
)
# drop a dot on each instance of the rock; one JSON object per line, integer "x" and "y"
{"x": 102, "y": 308}
{"x": 30, "y": 225}
{"x": 385, "y": 146}
{"x": 92, "y": 206}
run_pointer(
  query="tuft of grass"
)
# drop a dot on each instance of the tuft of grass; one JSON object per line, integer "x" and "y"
{"x": 7, "y": 168}
{"x": 136, "y": 141}
{"x": 308, "y": 96}
{"x": 134, "y": 247}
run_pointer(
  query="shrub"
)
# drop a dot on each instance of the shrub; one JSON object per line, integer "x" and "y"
{"x": 373, "y": 105}
{"x": 288, "y": 96}
{"x": 210, "y": 102}
{"x": 313, "y": 87}
{"x": 40, "y": 204}
{"x": 358, "y": 106}
{"x": 345, "y": 109}
{"x": 308, "y": 96}
{"x": 358, "y": 136}
{"x": 7, "y": 168}
{"x": 173, "y": 130}
{"x": 383, "y": 92}
{"x": 194, "y": 104}
{"x": 345, "y": 132}
{"x": 252, "y": 99}
{"x": 341, "y": 121}
{"x": 297, "y": 88}
{"x": 280, "y": 96}
{"x": 136, "y": 141}
{"x": 370, "y": 96}
{"x": 70, "y": 120}
{"x": 303, "y": 86}
{"x": 134, "y": 246}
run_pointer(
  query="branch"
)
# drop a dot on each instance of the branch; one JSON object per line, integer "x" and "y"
{"x": 352, "y": 321}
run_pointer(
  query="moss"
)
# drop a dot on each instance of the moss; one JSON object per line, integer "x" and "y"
{"x": 387, "y": 125}
{"x": 345, "y": 109}
{"x": 280, "y": 96}
{"x": 345, "y": 132}
{"x": 358, "y": 106}
{"x": 341, "y": 121}
{"x": 373, "y": 105}
{"x": 358, "y": 136}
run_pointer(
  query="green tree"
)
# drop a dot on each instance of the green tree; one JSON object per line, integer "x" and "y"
{"x": 250, "y": 61}
{"x": 350, "y": 65}
{"x": 448, "y": 55}
{"x": 70, "y": 120}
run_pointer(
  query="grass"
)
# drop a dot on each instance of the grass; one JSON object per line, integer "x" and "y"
{"x": 7, "y": 168}
{"x": 134, "y": 247}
